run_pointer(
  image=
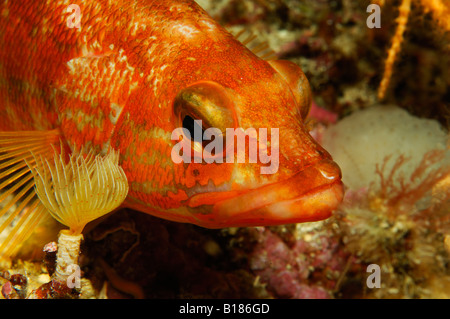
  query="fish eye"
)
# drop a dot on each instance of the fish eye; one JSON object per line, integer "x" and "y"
{"x": 297, "y": 82}
{"x": 201, "y": 106}
{"x": 192, "y": 126}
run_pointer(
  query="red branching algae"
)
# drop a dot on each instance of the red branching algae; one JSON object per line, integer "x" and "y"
{"x": 308, "y": 268}
{"x": 400, "y": 225}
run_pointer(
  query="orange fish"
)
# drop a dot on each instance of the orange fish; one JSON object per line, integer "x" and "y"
{"x": 122, "y": 74}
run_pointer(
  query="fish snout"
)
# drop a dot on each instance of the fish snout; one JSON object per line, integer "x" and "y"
{"x": 309, "y": 195}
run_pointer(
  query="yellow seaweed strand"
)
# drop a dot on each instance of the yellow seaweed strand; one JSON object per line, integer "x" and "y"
{"x": 402, "y": 21}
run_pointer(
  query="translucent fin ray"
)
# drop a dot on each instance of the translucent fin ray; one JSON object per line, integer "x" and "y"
{"x": 20, "y": 209}
{"x": 260, "y": 49}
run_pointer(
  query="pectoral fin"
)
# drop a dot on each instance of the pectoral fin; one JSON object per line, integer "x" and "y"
{"x": 20, "y": 209}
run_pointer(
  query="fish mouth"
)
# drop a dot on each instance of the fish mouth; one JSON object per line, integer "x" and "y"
{"x": 310, "y": 195}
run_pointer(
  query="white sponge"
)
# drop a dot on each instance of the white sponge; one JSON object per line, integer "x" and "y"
{"x": 363, "y": 139}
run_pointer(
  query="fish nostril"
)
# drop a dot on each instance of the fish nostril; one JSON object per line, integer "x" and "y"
{"x": 323, "y": 153}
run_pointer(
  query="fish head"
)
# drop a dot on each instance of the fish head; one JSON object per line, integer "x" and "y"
{"x": 244, "y": 153}
{"x": 238, "y": 152}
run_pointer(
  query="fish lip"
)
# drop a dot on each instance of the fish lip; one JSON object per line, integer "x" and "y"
{"x": 309, "y": 195}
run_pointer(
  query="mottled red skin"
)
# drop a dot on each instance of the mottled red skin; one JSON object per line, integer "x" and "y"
{"x": 113, "y": 82}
